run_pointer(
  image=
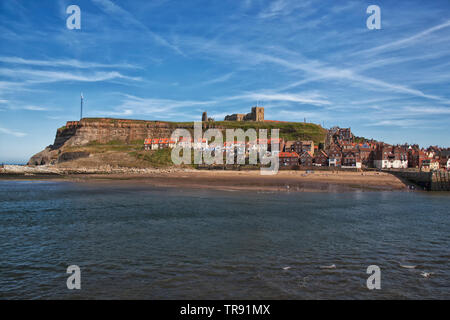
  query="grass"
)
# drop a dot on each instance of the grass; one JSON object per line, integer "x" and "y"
{"x": 288, "y": 130}
{"x": 157, "y": 158}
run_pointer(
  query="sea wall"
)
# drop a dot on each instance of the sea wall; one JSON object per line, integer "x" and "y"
{"x": 431, "y": 181}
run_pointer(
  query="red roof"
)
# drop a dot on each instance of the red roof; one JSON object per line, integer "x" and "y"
{"x": 288, "y": 155}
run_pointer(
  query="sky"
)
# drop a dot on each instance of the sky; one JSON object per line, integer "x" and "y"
{"x": 172, "y": 60}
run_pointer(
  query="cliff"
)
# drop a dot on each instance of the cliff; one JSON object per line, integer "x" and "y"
{"x": 123, "y": 138}
{"x": 101, "y": 131}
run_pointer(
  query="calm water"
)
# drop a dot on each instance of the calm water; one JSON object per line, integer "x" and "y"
{"x": 153, "y": 243}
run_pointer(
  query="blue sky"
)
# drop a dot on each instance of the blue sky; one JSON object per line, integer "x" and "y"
{"x": 171, "y": 60}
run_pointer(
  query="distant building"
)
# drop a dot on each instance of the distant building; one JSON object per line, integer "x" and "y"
{"x": 306, "y": 159}
{"x": 308, "y": 146}
{"x": 335, "y": 157}
{"x": 430, "y": 165}
{"x": 155, "y": 144}
{"x": 288, "y": 159}
{"x": 257, "y": 114}
{"x": 205, "y": 117}
{"x": 366, "y": 154}
{"x": 387, "y": 157}
{"x": 351, "y": 159}
{"x": 300, "y": 146}
{"x": 321, "y": 159}
{"x": 147, "y": 144}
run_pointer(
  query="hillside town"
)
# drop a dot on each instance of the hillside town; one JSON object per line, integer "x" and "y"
{"x": 340, "y": 150}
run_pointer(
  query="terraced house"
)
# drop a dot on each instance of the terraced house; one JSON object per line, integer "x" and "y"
{"x": 390, "y": 157}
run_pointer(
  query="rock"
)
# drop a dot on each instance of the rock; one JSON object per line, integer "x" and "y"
{"x": 69, "y": 156}
{"x": 46, "y": 156}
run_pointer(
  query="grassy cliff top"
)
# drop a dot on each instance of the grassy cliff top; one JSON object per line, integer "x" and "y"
{"x": 288, "y": 130}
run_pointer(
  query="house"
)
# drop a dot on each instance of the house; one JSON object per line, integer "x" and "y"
{"x": 308, "y": 146}
{"x": 366, "y": 155}
{"x": 147, "y": 144}
{"x": 288, "y": 158}
{"x": 301, "y": 146}
{"x": 390, "y": 157}
{"x": 296, "y": 146}
{"x": 335, "y": 156}
{"x": 444, "y": 157}
{"x": 320, "y": 159}
{"x": 345, "y": 134}
{"x": 351, "y": 159}
{"x": 155, "y": 144}
{"x": 289, "y": 146}
{"x": 306, "y": 159}
{"x": 416, "y": 156}
{"x": 430, "y": 165}
{"x": 163, "y": 143}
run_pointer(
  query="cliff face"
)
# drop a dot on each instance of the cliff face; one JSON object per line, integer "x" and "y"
{"x": 100, "y": 130}
{"x": 77, "y": 133}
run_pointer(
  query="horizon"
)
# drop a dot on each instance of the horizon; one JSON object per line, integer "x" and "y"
{"x": 171, "y": 61}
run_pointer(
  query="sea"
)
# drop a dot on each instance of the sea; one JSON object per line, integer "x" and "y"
{"x": 135, "y": 241}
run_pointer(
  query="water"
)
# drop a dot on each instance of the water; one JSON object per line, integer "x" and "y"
{"x": 153, "y": 243}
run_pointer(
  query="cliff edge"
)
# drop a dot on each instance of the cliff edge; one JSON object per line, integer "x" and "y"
{"x": 99, "y": 131}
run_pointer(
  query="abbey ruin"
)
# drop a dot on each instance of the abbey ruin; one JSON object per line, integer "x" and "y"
{"x": 257, "y": 114}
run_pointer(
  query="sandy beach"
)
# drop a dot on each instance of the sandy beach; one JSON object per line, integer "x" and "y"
{"x": 325, "y": 181}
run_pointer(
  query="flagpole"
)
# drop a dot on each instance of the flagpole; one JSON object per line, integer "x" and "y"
{"x": 81, "y": 109}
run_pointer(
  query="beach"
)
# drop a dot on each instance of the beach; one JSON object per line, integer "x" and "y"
{"x": 286, "y": 180}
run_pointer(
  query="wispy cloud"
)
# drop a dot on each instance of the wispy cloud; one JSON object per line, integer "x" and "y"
{"x": 222, "y": 78}
{"x": 133, "y": 105}
{"x": 406, "y": 41}
{"x": 29, "y": 108}
{"x": 307, "y": 98}
{"x": 45, "y": 76}
{"x": 73, "y": 63}
{"x": 127, "y": 18}
{"x": 317, "y": 70}
{"x": 283, "y": 8}
{"x": 426, "y": 110}
{"x": 12, "y": 132}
